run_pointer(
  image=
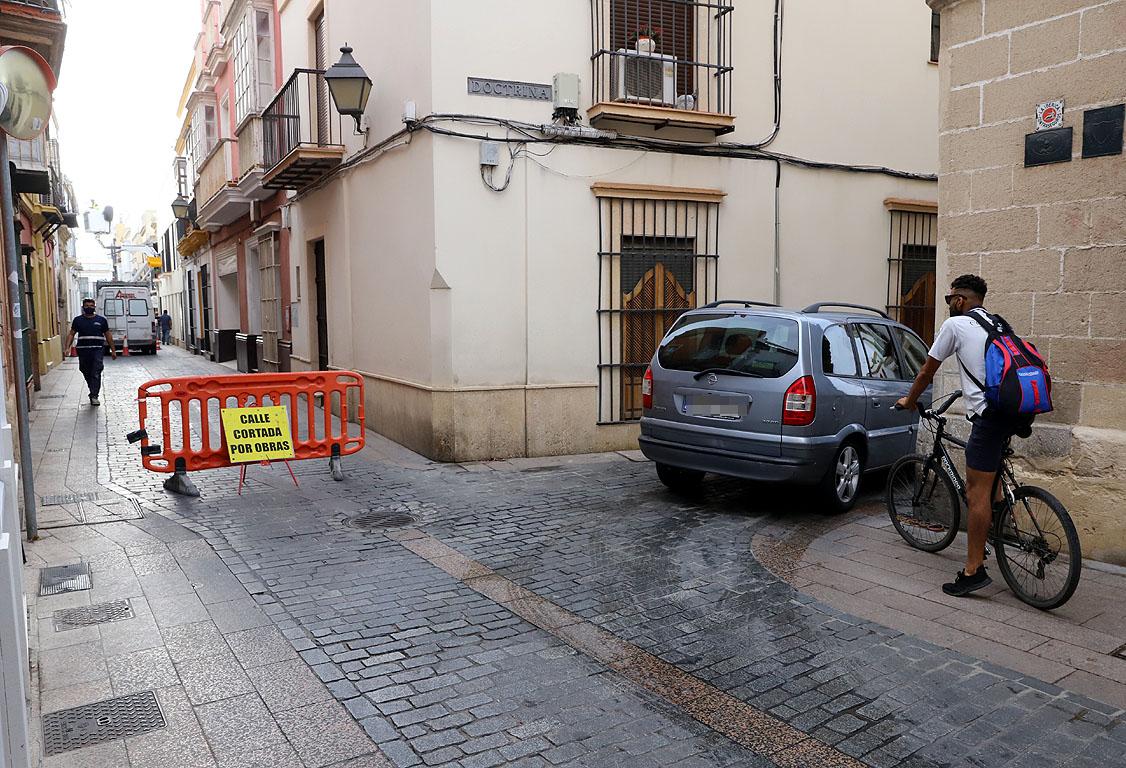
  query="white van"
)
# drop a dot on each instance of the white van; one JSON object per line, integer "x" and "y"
{"x": 128, "y": 308}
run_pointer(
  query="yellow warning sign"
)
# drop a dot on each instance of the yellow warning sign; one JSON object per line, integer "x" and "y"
{"x": 257, "y": 434}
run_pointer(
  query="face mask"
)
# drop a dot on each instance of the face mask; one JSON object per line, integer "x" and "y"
{"x": 87, "y": 310}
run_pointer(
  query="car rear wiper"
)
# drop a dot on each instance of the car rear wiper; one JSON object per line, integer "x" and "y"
{"x": 727, "y": 372}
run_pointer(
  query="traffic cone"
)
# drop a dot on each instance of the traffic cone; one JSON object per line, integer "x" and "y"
{"x": 125, "y": 347}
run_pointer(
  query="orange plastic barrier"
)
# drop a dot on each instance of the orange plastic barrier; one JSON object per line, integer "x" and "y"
{"x": 320, "y": 403}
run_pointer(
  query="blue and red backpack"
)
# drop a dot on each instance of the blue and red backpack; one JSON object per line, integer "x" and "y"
{"x": 1016, "y": 383}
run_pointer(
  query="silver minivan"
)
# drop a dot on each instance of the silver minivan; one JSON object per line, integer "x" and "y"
{"x": 752, "y": 390}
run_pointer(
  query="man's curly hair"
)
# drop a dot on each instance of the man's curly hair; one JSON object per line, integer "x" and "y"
{"x": 971, "y": 283}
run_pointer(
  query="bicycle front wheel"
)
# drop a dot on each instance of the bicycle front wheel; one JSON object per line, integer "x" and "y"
{"x": 923, "y": 504}
{"x": 1038, "y": 549}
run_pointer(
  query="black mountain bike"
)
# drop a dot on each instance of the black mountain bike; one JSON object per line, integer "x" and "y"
{"x": 1037, "y": 546}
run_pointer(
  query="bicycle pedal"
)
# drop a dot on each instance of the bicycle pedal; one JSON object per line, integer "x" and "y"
{"x": 988, "y": 551}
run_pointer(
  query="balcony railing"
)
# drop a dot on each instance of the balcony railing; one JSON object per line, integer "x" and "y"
{"x": 46, "y": 5}
{"x": 301, "y": 132}
{"x": 217, "y": 172}
{"x": 663, "y": 62}
{"x": 250, "y": 148}
{"x": 58, "y": 197}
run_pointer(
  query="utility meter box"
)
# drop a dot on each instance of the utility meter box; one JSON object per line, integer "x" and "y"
{"x": 565, "y": 87}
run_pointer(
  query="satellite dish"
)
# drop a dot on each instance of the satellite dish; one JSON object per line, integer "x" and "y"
{"x": 26, "y": 83}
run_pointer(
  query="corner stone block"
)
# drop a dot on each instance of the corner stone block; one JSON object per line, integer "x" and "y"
{"x": 1007, "y": 14}
{"x": 1043, "y": 45}
{"x": 1007, "y": 230}
{"x": 1022, "y": 272}
{"x": 1063, "y": 314}
{"x": 1095, "y": 269}
{"x": 1103, "y": 406}
{"x": 961, "y": 23}
{"x": 961, "y": 108}
{"x": 1089, "y": 361}
{"x": 983, "y": 60}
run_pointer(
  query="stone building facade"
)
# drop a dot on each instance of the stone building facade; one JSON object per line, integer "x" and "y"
{"x": 1051, "y": 238}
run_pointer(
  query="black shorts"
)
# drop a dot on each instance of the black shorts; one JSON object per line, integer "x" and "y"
{"x": 987, "y": 441}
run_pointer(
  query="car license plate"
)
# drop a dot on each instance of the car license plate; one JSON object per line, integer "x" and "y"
{"x": 715, "y": 406}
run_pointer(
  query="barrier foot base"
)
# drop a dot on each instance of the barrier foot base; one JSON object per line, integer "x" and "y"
{"x": 337, "y": 469}
{"x": 180, "y": 484}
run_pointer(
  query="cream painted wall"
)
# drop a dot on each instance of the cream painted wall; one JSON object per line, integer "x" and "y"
{"x": 835, "y": 232}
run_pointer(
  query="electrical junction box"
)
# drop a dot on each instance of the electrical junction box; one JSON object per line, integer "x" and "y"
{"x": 490, "y": 154}
{"x": 565, "y": 88}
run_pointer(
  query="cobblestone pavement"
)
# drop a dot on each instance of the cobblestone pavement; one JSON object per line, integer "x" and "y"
{"x": 572, "y": 612}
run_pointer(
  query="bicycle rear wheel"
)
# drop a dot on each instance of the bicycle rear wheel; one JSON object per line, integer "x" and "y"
{"x": 923, "y": 504}
{"x": 1038, "y": 549}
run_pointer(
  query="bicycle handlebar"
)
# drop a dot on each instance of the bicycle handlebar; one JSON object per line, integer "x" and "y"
{"x": 928, "y": 413}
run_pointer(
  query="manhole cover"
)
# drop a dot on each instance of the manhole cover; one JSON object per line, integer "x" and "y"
{"x": 1120, "y": 653}
{"x": 101, "y": 613}
{"x": 64, "y": 578}
{"x": 380, "y": 519}
{"x": 100, "y": 722}
{"x": 67, "y": 498}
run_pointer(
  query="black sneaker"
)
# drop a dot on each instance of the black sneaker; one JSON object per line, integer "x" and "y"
{"x": 963, "y": 584}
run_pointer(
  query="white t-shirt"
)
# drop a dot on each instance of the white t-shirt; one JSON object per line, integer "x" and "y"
{"x": 964, "y": 337}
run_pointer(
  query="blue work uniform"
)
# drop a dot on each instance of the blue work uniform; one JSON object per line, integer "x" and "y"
{"x": 90, "y": 342}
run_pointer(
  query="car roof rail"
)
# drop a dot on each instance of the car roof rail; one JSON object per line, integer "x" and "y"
{"x": 815, "y": 308}
{"x": 748, "y": 304}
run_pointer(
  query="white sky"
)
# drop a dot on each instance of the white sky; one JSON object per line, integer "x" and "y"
{"x": 123, "y": 69}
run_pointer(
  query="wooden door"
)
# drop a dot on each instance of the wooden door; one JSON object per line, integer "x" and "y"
{"x": 649, "y": 308}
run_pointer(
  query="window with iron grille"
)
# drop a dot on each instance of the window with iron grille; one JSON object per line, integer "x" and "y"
{"x": 911, "y": 270}
{"x": 657, "y": 259}
{"x": 666, "y": 53}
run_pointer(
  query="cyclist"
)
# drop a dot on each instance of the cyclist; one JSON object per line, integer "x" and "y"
{"x": 962, "y": 336}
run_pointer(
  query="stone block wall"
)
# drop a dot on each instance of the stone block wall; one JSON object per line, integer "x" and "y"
{"x": 1050, "y": 240}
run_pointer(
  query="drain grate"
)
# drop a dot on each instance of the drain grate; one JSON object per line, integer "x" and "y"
{"x": 380, "y": 519}
{"x": 100, "y": 722}
{"x": 49, "y": 397}
{"x": 64, "y": 578}
{"x": 100, "y": 613}
{"x": 1120, "y": 653}
{"x": 67, "y": 498}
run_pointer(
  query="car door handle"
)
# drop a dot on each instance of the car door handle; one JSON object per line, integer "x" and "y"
{"x": 876, "y": 403}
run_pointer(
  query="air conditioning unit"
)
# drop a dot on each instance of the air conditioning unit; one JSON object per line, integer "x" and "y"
{"x": 648, "y": 78}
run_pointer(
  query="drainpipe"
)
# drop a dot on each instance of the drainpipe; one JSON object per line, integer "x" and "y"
{"x": 777, "y": 232}
{"x": 12, "y": 266}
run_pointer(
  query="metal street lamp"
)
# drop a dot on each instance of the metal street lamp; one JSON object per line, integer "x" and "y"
{"x": 180, "y": 207}
{"x": 349, "y": 85}
{"x": 26, "y": 85}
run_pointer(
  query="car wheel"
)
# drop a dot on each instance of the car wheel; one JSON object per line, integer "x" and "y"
{"x": 841, "y": 484}
{"x": 679, "y": 480}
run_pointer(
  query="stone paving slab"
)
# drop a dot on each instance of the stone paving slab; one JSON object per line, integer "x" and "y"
{"x": 862, "y": 566}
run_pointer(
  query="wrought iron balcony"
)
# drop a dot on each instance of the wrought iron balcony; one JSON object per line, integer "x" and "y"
{"x": 663, "y": 63}
{"x": 301, "y": 132}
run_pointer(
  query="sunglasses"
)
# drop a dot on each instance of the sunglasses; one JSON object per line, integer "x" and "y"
{"x": 951, "y": 296}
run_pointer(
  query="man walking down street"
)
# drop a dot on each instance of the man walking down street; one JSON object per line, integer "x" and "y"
{"x": 94, "y": 336}
{"x": 165, "y": 328}
{"x": 964, "y": 337}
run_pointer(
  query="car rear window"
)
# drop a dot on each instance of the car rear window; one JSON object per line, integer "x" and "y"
{"x": 138, "y": 308}
{"x": 114, "y": 307}
{"x": 764, "y": 346}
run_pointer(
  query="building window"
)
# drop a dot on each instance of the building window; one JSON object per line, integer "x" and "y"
{"x": 204, "y": 135}
{"x": 911, "y": 270}
{"x": 254, "y": 63}
{"x": 657, "y": 259}
{"x": 665, "y": 53}
{"x": 936, "y": 18}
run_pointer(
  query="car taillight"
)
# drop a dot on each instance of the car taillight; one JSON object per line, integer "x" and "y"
{"x": 800, "y": 405}
{"x": 647, "y": 389}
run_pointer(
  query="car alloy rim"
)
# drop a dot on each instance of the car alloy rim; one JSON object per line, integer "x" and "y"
{"x": 848, "y": 473}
